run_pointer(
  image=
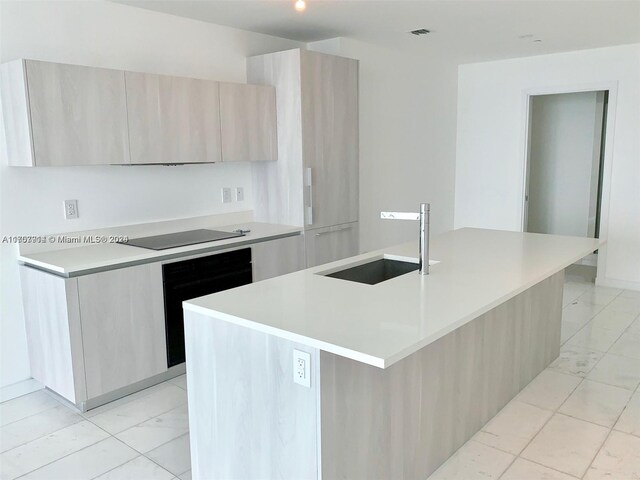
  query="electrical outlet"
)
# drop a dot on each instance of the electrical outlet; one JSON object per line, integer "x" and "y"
{"x": 302, "y": 368}
{"x": 239, "y": 194}
{"x": 226, "y": 195}
{"x": 71, "y": 209}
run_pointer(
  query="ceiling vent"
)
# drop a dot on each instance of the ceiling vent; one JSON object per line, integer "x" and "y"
{"x": 420, "y": 31}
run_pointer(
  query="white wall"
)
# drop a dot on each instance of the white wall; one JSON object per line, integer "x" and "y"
{"x": 105, "y": 34}
{"x": 562, "y": 177}
{"x": 490, "y": 144}
{"x": 407, "y": 138}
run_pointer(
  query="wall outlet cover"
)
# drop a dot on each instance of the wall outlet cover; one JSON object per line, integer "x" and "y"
{"x": 239, "y": 194}
{"x": 302, "y": 368}
{"x": 71, "y": 209}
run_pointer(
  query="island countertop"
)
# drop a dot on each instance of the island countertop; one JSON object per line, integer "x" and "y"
{"x": 381, "y": 324}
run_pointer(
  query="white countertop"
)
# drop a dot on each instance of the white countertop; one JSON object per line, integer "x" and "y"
{"x": 381, "y": 324}
{"x": 81, "y": 260}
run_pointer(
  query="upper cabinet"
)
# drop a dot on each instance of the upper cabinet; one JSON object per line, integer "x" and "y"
{"x": 248, "y": 121}
{"x": 172, "y": 119}
{"x": 60, "y": 115}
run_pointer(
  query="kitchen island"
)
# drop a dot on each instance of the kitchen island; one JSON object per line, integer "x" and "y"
{"x": 401, "y": 373}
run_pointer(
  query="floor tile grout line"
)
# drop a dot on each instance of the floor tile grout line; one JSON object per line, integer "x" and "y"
{"x": 64, "y": 456}
{"x": 138, "y": 396}
{"x": 553, "y": 413}
{"x": 611, "y": 429}
{"x": 602, "y": 445}
{"x": 43, "y": 436}
{"x": 139, "y": 423}
{"x": 94, "y": 443}
{"x": 131, "y": 460}
{"x": 152, "y": 460}
{"x": 29, "y": 416}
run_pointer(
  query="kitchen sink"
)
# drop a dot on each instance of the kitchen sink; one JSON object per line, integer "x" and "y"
{"x": 376, "y": 271}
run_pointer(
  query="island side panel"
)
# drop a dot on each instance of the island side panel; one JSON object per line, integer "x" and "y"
{"x": 247, "y": 418}
{"x": 405, "y": 421}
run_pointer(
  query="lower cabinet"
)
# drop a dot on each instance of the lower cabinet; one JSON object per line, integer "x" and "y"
{"x": 324, "y": 245}
{"x": 92, "y": 335}
{"x": 277, "y": 257}
{"x": 96, "y": 333}
{"x": 123, "y": 330}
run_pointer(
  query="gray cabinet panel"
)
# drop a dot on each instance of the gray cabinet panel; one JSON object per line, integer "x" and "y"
{"x": 173, "y": 119}
{"x": 277, "y": 186}
{"x": 78, "y": 114}
{"x": 248, "y": 123}
{"x": 54, "y": 336}
{"x": 330, "y": 137}
{"x": 122, "y": 315}
{"x": 277, "y": 257}
{"x": 15, "y": 114}
{"x": 326, "y": 245}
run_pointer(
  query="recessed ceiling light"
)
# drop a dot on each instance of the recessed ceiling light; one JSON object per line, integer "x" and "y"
{"x": 300, "y": 5}
{"x": 420, "y": 31}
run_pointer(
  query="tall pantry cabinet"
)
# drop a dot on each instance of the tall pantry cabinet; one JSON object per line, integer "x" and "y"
{"x": 315, "y": 181}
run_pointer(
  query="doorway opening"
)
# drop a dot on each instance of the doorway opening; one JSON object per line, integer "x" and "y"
{"x": 564, "y": 166}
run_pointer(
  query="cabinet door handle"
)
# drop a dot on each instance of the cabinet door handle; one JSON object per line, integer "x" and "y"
{"x": 309, "y": 184}
{"x": 335, "y": 229}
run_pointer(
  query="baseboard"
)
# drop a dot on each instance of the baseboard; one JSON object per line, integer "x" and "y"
{"x": 18, "y": 389}
{"x": 613, "y": 283}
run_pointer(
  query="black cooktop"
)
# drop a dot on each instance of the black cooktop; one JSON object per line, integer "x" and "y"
{"x": 180, "y": 239}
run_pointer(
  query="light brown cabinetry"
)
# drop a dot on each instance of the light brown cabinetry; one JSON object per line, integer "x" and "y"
{"x": 315, "y": 181}
{"x": 277, "y": 257}
{"x": 123, "y": 331}
{"x": 62, "y": 115}
{"x": 91, "y": 335}
{"x": 172, "y": 119}
{"x": 330, "y": 138}
{"x": 99, "y": 336}
{"x": 248, "y": 123}
{"x": 328, "y": 244}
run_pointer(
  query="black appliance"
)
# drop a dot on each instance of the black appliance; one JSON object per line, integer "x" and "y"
{"x": 180, "y": 239}
{"x": 194, "y": 278}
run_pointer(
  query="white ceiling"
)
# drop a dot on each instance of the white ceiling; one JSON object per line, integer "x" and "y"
{"x": 467, "y": 31}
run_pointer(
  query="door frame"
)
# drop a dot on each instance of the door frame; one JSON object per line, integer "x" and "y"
{"x": 612, "y": 88}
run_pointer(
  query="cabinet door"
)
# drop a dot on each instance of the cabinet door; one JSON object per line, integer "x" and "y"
{"x": 123, "y": 333}
{"x": 248, "y": 123}
{"x": 330, "y": 138}
{"x": 78, "y": 114}
{"x": 173, "y": 119}
{"x": 277, "y": 257}
{"x": 325, "y": 245}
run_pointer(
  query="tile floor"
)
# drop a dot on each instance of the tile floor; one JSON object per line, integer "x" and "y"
{"x": 580, "y": 418}
{"x": 143, "y": 436}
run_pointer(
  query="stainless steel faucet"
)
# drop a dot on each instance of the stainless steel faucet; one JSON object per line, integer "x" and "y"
{"x": 423, "y": 216}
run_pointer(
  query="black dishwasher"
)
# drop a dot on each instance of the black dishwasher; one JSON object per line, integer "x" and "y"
{"x": 194, "y": 278}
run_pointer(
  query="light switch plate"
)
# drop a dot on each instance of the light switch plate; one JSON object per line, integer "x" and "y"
{"x": 226, "y": 195}
{"x": 71, "y": 209}
{"x": 302, "y": 368}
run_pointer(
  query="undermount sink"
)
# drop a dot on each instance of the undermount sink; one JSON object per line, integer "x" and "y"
{"x": 374, "y": 272}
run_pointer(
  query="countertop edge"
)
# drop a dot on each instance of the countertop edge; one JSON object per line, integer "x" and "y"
{"x": 161, "y": 255}
{"x": 284, "y": 334}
